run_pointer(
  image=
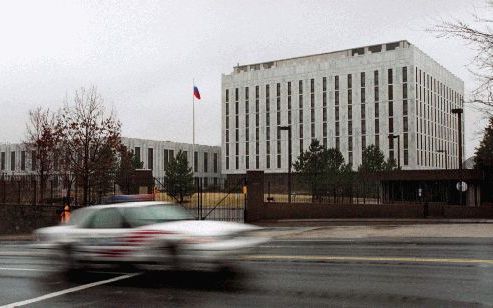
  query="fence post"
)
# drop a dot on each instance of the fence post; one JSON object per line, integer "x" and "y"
{"x": 4, "y": 187}
{"x": 255, "y": 196}
{"x": 19, "y": 192}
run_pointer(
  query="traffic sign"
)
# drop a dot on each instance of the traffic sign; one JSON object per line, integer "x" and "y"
{"x": 461, "y": 186}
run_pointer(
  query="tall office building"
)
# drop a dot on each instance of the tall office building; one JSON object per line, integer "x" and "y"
{"x": 346, "y": 99}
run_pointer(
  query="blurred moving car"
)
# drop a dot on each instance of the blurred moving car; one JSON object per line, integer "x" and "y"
{"x": 152, "y": 235}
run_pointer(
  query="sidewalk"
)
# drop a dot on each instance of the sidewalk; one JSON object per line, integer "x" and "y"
{"x": 366, "y": 221}
{"x": 389, "y": 230}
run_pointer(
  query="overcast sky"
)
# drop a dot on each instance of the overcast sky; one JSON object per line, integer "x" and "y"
{"x": 143, "y": 55}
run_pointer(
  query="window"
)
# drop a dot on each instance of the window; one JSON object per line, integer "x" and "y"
{"x": 389, "y": 76}
{"x": 391, "y": 46}
{"x": 12, "y": 161}
{"x": 196, "y": 161}
{"x": 2, "y": 161}
{"x": 375, "y": 48}
{"x": 150, "y": 159}
{"x": 33, "y": 161}
{"x": 137, "y": 154}
{"x": 106, "y": 219}
{"x": 206, "y": 161}
{"x": 165, "y": 159}
{"x": 23, "y": 160}
{"x": 215, "y": 162}
{"x": 404, "y": 74}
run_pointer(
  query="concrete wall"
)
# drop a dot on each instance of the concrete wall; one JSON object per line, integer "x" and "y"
{"x": 274, "y": 211}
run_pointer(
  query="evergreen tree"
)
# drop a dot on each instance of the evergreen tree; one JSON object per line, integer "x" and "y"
{"x": 127, "y": 164}
{"x": 484, "y": 152}
{"x": 322, "y": 168}
{"x": 179, "y": 177}
{"x": 372, "y": 160}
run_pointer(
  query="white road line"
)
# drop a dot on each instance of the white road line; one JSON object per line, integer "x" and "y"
{"x": 70, "y": 290}
{"x": 25, "y": 269}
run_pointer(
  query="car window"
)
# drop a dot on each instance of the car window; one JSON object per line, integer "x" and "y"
{"x": 81, "y": 217}
{"x": 146, "y": 215}
{"x": 109, "y": 218}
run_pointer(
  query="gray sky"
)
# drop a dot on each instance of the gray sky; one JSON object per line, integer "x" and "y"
{"x": 143, "y": 55}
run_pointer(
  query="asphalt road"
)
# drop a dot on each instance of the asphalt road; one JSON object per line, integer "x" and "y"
{"x": 394, "y": 272}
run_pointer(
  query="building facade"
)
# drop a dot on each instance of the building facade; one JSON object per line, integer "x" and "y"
{"x": 347, "y": 99}
{"x": 205, "y": 160}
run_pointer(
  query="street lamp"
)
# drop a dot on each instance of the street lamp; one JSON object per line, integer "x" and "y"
{"x": 446, "y": 157}
{"x": 391, "y": 137}
{"x": 459, "y": 112}
{"x": 288, "y": 128}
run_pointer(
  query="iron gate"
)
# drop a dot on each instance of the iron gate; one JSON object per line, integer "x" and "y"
{"x": 219, "y": 199}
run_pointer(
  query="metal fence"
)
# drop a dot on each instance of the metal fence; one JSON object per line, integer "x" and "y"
{"x": 318, "y": 188}
{"x": 220, "y": 199}
{"x": 51, "y": 189}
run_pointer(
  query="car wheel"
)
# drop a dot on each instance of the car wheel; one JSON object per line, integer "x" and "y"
{"x": 69, "y": 263}
{"x": 168, "y": 257}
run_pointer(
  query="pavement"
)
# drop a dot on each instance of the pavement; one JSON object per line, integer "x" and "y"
{"x": 358, "y": 228}
{"x": 287, "y": 272}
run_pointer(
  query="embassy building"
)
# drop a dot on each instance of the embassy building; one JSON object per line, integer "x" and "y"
{"x": 346, "y": 99}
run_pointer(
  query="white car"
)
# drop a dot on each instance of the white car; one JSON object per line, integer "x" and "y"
{"x": 147, "y": 234}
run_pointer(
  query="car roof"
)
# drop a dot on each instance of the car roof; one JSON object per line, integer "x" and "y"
{"x": 131, "y": 204}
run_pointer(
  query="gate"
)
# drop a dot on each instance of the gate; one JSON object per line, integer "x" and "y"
{"x": 221, "y": 200}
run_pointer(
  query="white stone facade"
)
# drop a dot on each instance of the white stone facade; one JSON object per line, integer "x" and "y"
{"x": 16, "y": 160}
{"x": 347, "y": 99}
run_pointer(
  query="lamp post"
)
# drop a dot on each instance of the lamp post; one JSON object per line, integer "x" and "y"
{"x": 446, "y": 157}
{"x": 391, "y": 137}
{"x": 288, "y": 128}
{"x": 459, "y": 112}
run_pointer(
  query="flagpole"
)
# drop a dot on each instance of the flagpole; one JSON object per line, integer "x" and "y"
{"x": 193, "y": 125}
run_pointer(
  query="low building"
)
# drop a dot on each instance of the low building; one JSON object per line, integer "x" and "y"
{"x": 432, "y": 186}
{"x": 205, "y": 160}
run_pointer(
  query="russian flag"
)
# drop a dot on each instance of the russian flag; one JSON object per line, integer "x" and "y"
{"x": 196, "y": 92}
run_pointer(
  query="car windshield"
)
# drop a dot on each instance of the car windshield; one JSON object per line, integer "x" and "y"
{"x": 147, "y": 215}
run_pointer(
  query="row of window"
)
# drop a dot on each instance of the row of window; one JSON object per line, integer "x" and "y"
{"x": 168, "y": 155}
{"x": 436, "y": 126}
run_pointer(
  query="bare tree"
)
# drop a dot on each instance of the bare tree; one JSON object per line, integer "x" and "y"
{"x": 480, "y": 38}
{"x": 42, "y": 140}
{"x": 91, "y": 139}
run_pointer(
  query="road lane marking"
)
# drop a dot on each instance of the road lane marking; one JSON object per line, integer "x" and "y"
{"x": 25, "y": 269}
{"x": 377, "y": 259}
{"x": 70, "y": 290}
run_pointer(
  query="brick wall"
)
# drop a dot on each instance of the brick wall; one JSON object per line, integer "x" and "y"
{"x": 274, "y": 211}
